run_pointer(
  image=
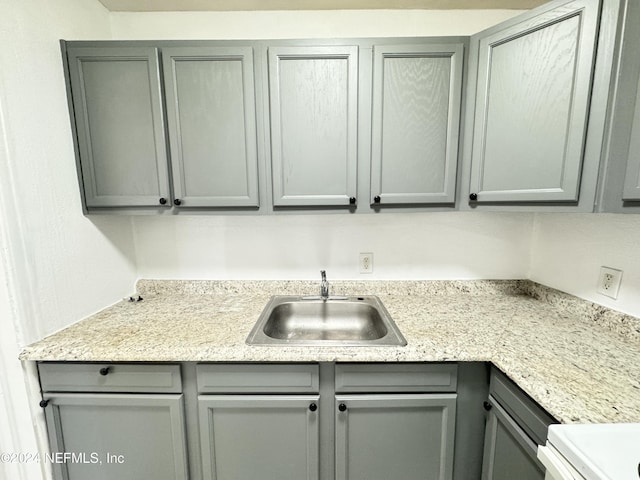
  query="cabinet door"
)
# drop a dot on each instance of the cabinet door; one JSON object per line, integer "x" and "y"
{"x": 259, "y": 436}
{"x": 508, "y": 452}
{"x": 416, "y": 119}
{"x": 379, "y": 437}
{"x": 534, "y": 82}
{"x": 631, "y": 190}
{"x": 314, "y": 102}
{"x": 119, "y": 123}
{"x": 128, "y": 437}
{"x": 212, "y": 125}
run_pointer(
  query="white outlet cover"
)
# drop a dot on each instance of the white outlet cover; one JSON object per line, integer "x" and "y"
{"x": 609, "y": 282}
{"x": 366, "y": 262}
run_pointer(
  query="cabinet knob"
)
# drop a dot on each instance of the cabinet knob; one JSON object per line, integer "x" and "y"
{"x": 44, "y": 403}
{"x": 352, "y": 200}
{"x": 473, "y": 197}
{"x": 313, "y": 407}
{"x": 177, "y": 201}
{"x": 376, "y": 199}
{"x": 342, "y": 407}
{"x": 104, "y": 371}
{"x": 163, "y": 201}
{"x": 487, "y": 406}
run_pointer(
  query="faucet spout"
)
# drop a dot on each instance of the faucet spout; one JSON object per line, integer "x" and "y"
{"x": 324, "y": 286}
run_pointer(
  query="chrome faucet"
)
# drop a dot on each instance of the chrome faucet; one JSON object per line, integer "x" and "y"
{"x": 324, "y": 286}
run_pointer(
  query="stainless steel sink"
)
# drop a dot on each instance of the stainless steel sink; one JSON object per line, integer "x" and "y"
{"x": 335, "y": 321}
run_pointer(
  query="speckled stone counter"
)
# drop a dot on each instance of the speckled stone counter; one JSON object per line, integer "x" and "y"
{"x": 580, "y": 361}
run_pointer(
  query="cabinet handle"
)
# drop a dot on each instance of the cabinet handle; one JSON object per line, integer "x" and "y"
{"x": 376, "y": 199}
{"x": 342, "y": 407}
{"x": 487, "y": 406}
{"x": 163, "y": 201}
{"x": 473, "y": 197}
{"x": 44, "y": 403}
{"x": 352, "y": 200}
{"x": 104, "y": 371}
{"x": 313, "y": 407}
{"x": 177, "y": 201}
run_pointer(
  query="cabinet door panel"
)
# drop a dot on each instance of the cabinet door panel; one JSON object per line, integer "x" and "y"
{"x": 265, "y": 437}
{"x": 416, "y": 115}
{"x": 534, "y": 82}
{"x": 509, "y": 452}
{"x": 212, "y": 125}
{"x": 411, "y": 437}
{"x": 632, "y": 177}
{"x": 147, "y": 431}
{"x": 313, "y": 93}
{"x": 118, "y": 113}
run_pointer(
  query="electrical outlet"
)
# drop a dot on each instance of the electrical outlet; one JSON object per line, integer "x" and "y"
{"x": 366, "y": 263}
{"x": 609, "y": 282}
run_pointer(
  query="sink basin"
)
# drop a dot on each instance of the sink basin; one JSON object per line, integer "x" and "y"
{"x": 337, "y": 321}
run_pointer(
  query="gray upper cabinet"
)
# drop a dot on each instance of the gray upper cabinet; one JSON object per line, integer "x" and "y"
{"x": 313, "y": 93}
{"x": 631, "y": 190}
{"x": 119, "y": 125}
{"x": 415, "y": 123}
{"x": 210, "y": 99}
{"x": 532, "y": 105}
{"x": 620, "y": 187}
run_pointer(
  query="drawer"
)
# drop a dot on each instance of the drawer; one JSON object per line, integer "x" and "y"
{"x": 532, "y": 418}
{"x": 396, "y": 377}
{"x": 257, "y": 378}
{"x": 109, "y": 377}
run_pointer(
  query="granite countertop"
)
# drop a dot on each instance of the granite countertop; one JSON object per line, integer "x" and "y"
{"x": 580, "y": 361}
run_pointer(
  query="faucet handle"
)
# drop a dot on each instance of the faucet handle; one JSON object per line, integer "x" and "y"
{"x": 323, "y": 274}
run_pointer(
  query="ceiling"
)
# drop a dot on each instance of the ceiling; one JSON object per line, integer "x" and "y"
{"x": 244, "y": 5}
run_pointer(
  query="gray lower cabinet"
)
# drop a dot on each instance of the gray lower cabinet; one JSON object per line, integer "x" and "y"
{"x": 516, "y": 426}
{"x": 313, "y": 95}
{"x": 417, "y": 91}
{"x": 509, "y": 452}
{"x": 103, "y": 435}
{"x": 534, "y": 79}
{"x": 305, "y": 421}
{"x": 120, "y": 126}
{"x": 259, "y": 421}
{"x": 407, "y": 436}
{"x": 271, "y": 437}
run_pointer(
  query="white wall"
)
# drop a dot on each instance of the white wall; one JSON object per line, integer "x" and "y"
{"x": 304, "y": 24}
{"x": 405, "y": 246}
{"x": 64, "y": 265}
{"x": 567, "y": 251}
{"x": 56, "y": 266}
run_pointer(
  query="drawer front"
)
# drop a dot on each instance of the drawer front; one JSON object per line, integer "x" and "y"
{"x": 527, "y": 413}
{"x": 385, "y": 377}
{"x": 254, "y": 378}
{"x": 109, "y": 377}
